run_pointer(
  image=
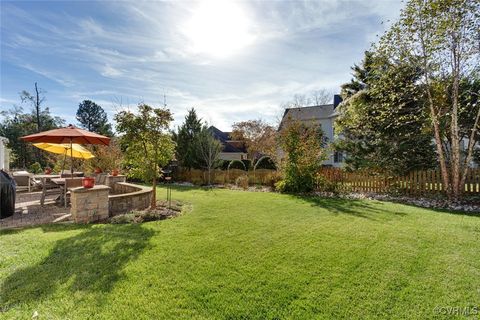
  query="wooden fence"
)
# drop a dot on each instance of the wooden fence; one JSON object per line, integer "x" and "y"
{"x": 416, "y": 183}
{"x": 259, "y": 176}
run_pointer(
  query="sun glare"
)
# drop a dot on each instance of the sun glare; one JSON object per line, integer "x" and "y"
{"x": 218, "y": 28}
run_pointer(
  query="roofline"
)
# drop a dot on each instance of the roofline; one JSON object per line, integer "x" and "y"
{"x": 320, "y": 105}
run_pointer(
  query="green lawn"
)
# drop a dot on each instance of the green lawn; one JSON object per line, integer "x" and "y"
{"x": 243, "y": 255}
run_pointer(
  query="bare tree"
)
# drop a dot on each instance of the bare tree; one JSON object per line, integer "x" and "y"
{"x": 321, "y": 96}
{"x": 36, "y": 102}
{"x": 209, "y": 150}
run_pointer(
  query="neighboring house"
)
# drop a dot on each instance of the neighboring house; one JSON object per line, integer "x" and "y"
{"x": 232, "y": 149}
{"x": 324, "y": 116}
{"x": 4, "y": 154}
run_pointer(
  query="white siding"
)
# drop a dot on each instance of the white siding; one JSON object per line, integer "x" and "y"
{"x": 232, "y": 156}
{"x": 4, "y": 154}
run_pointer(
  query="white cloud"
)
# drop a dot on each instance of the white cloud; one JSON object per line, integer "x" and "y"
{"x": 140, "y": 52}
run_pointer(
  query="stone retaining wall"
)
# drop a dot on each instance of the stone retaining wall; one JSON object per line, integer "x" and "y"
{"x": 89, "y": 204}
{"x": 127, "y": 197}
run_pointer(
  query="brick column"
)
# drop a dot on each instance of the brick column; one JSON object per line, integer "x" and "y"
{"x": 89, "y": 205}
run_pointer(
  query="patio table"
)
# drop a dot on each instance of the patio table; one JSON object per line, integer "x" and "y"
{"x": 44, "y": 178}
{"x": 60, "y": 182}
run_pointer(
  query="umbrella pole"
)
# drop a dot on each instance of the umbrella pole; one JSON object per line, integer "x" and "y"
{"x": 64, "y": 160}
{"x": 71, "y": 156}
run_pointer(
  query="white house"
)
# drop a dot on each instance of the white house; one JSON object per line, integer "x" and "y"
{"x": 4, "y": 154}
{"x": 322, "y": 115}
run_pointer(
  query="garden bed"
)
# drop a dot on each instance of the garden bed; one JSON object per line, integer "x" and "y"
{"x": 163, "y": 211}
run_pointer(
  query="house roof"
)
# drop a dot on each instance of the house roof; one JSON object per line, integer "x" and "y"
{"x": 225, "y": 138}
{"x": 311, "y": 113}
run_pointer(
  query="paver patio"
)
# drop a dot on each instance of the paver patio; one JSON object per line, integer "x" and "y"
{"x": 29, "y": 212}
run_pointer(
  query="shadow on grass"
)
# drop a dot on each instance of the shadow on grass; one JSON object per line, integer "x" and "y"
{"x": 90, "y": 262}
{"x": 353, "y": 207}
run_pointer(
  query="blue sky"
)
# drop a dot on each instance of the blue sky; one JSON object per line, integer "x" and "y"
{"x": 232, "y": 61}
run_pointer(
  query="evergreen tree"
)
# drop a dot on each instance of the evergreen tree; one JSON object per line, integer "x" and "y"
{"x": 382, "y": 120}
{"x": 93, "y": 118}
{"x": 186, "y": 140}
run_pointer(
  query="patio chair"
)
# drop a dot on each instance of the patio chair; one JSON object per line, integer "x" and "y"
{"x": 25, "y": 181}
{"x": 101, "y": 178}
{"x": 68, "y": 174}
{"x": 70, "y": 183}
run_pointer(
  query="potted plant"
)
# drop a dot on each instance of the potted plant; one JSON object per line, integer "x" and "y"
{"x": 88, "y": 182}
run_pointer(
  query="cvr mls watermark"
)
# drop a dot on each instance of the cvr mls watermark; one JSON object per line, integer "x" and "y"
{"x": 457, "y": 311}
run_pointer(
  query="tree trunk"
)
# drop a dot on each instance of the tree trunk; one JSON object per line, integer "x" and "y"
{"x": 153, "y": 203}
{"x": 471, "y": 144}
{"x": 209, "y": 170}
{"x": 438, "y": 144}
{"x": 37, "y": 108}
{"x": 455, "y": 137}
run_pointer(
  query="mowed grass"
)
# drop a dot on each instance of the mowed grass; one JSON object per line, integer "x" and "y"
{"x": 244, "y": 255}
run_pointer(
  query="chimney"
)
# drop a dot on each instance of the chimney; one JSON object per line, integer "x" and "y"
{"x": 336, "y": 100}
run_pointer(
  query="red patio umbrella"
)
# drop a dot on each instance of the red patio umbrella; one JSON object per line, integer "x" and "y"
{"x": 70, "y": 134}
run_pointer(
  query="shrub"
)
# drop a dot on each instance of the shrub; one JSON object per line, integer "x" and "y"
{"x": 265, "y": 162}
{"x": 272, "y": 178}
{"x": 304, "y": 149}
{"x": 280, "y": 186}
{"x": 242, "y": 182}
{"x": 35, "y": 168}
{"x": 223, "y": 164}
{"x": 247, "y": 163}
{"x": 236, "y": 164}
{"x": 325, "y": 185}
{"x": 123, "y": 218}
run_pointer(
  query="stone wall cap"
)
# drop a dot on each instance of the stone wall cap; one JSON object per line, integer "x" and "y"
{"x": 98, "y": 187}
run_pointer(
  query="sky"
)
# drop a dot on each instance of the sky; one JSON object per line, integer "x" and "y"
{"x": 230, "y": 60}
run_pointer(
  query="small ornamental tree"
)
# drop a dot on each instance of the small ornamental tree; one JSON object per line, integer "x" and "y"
{"x": 208, "y": 149}
{"x": 259, "y": 137}
{"x": 304, "y": 153}
{"x": 149, "y": 145}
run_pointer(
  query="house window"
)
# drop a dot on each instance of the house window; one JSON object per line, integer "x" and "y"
{"x": 338, "y": 157}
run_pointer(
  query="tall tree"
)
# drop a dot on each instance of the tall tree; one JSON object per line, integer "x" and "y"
{"x": 150, "y": 145}
{"x": 186, "y": 138}
{"x": 259, "y": 137}
{"x": 440, "y": 37}
{"x": 92, "y": 117}
{"x": 16, "y": 123}
{"x": 382, "y": 120}
{"x": 209, "y": 150}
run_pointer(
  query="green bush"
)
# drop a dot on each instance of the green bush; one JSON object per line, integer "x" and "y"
{"x": 265, "y": 162}
{"x": 247, "y": 163}
{"x": 223, "y": 164}
{"x": 296, "y": 184}
{"x": 236, "y": 164}
{"x": 325, "y": 185}
{"x": 35, "y": 168}
{"x": 123, "y": 218}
